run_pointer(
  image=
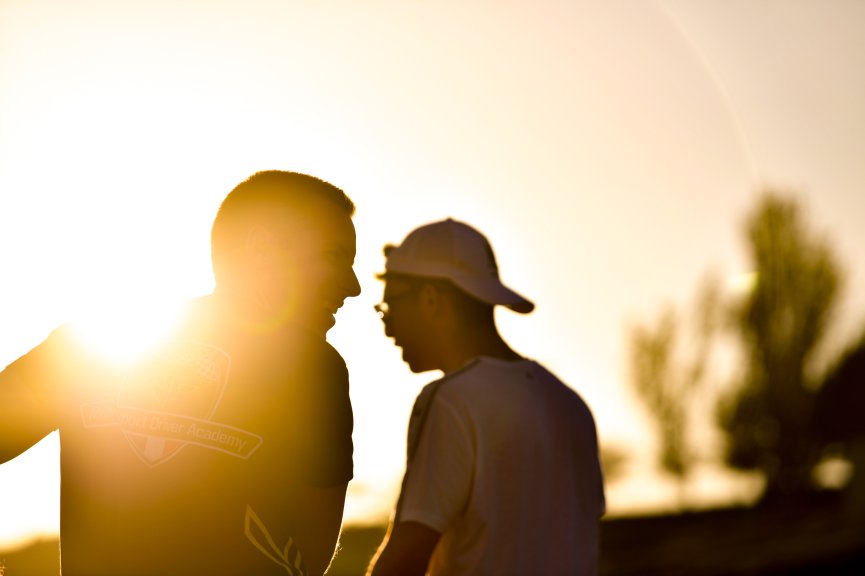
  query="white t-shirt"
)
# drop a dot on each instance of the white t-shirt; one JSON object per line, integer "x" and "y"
{"x": 503, "y": 462}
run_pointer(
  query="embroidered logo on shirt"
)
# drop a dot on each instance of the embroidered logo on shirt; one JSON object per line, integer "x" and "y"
{"x": 167, "y": 405}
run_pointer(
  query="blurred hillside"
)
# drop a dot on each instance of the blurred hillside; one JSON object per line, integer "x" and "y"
{"x": 813, "y": 537}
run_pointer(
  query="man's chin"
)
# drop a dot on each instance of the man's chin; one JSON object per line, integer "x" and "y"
{"x": 319, "y": 325}
{"x": 414, "y": 365}
{"x": 323, "y": 324}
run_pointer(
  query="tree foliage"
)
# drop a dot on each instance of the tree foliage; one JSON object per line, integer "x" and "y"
{"x": 666, "y": 373}
{"x": 781, "y": 323}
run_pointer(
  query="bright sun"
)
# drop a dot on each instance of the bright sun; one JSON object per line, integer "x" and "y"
{"x": 123, "y": 334}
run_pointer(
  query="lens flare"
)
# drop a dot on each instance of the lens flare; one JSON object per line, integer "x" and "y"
{"x": 122, "y": 335}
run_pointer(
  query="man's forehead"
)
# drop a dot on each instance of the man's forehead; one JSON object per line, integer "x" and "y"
{"x": 319, "y": 219}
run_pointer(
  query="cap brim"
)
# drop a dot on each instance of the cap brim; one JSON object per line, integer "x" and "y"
{"x": 494, "y": 292}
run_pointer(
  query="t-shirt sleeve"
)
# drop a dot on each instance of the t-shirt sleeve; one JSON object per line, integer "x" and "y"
{"x": 439, "y": 473}
{"x": 330, "y": 458}
{"x": 29, "y": 396}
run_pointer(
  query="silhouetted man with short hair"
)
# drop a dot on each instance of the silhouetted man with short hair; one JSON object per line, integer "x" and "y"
{"x": 227, "y": 449}
{"x": 502, "y": 475}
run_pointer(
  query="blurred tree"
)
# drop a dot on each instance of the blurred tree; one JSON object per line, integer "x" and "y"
{"x": 781, "y": 322}
{"x": 666, "y": 374}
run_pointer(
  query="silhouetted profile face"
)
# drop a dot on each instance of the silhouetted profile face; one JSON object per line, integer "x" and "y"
{"x": 283, "y": 248}
{"x": 307, "y": 265}
{"x": 405, "y": 323}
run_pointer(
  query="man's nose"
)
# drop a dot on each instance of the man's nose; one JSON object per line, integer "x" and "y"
{"x": 352, "y": 285}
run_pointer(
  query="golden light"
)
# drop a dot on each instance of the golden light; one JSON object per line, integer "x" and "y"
{"x": 742, "y": 284}
{"x": 123, "y": 335}
{"x": 123, "y": 125}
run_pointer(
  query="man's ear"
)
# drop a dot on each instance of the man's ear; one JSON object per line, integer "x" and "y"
{"x": 433, "y": 302}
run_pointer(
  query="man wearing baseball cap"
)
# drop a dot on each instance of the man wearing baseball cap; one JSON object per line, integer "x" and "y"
{"x": 502, "y": 474}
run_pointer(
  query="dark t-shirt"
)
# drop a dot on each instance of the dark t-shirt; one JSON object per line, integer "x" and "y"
{"x": 187, "y": 461}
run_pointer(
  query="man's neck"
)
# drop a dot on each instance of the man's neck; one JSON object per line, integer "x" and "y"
{"x": 462, "y": 349}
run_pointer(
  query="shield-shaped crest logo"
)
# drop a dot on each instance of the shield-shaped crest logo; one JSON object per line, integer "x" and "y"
{"x": 184, "y": 380}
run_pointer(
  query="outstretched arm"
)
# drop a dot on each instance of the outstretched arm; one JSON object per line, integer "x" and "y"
{"x": 405, "y": 551}
{"x": 24, "y": 419}
{"x": 29, "y": 402}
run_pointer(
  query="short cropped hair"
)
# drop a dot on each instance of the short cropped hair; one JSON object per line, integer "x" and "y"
{"x": 256, "y": 200}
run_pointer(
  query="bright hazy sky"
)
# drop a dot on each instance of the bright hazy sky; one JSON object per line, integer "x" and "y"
{"x": 609, "y": 149}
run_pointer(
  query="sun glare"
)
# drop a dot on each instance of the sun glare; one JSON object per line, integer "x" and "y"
{"x": 743, "y": 283}
{"x": 123, "y": 335}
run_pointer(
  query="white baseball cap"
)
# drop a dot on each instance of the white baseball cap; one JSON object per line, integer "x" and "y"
{"x": 454, "y": 251}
